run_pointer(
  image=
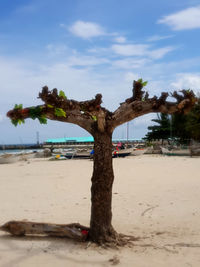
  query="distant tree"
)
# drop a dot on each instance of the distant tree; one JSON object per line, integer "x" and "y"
{"x": 162, "y": 130}
{"x": 178, "y": 125}
{"x": 183, "y": 127}
{"x": 192, "y": 124}
{"x": 100, "y": 123}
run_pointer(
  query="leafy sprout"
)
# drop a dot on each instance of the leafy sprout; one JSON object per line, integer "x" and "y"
{"x": 49, "y": 106}
{"x": 62, "y": 94}
{"x": 144, "y": 83}
{"x": 59, "y": 112}
{"x": 36, "y": 113}
{"x": 42, "y": 120}
{"x": 20, "y": 106}
{"x": 94, "y": 118}
{"x": 17, "y": 121}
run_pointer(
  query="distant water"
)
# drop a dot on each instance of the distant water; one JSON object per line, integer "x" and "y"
{"x": 17, "y": 151}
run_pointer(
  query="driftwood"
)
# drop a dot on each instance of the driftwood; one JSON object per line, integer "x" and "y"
{"x": 21, "y": 228}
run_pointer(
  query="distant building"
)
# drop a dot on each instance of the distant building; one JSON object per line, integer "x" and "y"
{"x": 89, "y": 140}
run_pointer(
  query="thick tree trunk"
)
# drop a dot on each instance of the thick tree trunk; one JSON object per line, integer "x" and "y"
{"x": 101, "y": 229}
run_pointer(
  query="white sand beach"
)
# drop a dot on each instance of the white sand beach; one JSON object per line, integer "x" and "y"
{"x": 156, "y": 198}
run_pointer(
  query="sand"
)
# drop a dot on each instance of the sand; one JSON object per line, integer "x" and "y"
{"x": 154, "y": 197}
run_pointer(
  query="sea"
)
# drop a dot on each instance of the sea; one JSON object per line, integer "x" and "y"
{"x": 23, "y": 149}
{"x": 18, "y": 151}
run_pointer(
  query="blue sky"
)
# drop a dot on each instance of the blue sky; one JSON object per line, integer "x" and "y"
{"x": 85, "y": 47}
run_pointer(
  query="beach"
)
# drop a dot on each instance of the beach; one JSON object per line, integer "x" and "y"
{"x": 155, "y": 198}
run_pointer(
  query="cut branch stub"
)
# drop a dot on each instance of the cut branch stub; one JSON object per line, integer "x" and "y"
{"x": 185, "y": 100}
{"x": 137, "y": 92}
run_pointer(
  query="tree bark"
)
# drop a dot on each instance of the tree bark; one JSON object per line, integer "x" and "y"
{"x": 101, "y": 229}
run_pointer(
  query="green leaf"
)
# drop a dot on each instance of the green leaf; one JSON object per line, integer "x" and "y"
{"x": 35, "y": 112}
{"x": 17, "y": 121}
{"x": 14, "y": 122}
{"x": 140, "y": 80}
{"x": 188, "y": 90}
{"x": 62, "y": 94}
{"x": 94, "y": 118}
{"x": 20, "y": 106}
{"x": 144, "y": 83}
{"x": 20, "y": 121}
{"x": 42, "y": 120}
{"x": 49, "y": 106}
{"x": 59, "y": 112}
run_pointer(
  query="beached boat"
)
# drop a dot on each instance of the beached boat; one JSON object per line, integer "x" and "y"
{"x": 121, "y": 153}
{"x": 73, "y": 153}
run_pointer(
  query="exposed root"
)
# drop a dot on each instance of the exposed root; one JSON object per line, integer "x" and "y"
{"x": 117, "y": 240}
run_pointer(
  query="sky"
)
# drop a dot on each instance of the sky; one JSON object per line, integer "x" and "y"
{"x": 85, "y": 47}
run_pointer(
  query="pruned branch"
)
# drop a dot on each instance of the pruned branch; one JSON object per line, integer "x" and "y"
{"x": 58, "y": 107}
{"x": 140, "y": 104}
{"x": 75, "y": 116}
{"x": 53, "y": 98}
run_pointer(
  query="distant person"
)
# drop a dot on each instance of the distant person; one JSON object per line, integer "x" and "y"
{"x": 92, "y": 154}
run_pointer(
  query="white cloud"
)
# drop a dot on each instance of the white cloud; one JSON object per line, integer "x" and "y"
{"x": 100, "y": 51}
{"x": 130, "y": 50}
{"x": 155, "y": 38}
{"x": 145, "y": 120}
{"x": 86, "y": 30}
{"x": 183, "y": 20}
{"x": 120, "y": 39}
{"x": 86, "y": 61}
{"x": 55, "y": 50}
{"x": 130, "y": 77}
{"x": 130, "y": 63}
{"x": 78, "y": 83}
{"x": 187, "y": 81}
{"x": 141, "y": 50}
{"x": 160, "y": 52}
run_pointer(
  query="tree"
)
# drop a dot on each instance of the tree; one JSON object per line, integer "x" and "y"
{"x": 161, "y": 130}
{"x": 183, "y": 127}
{"x": 192, "y": 125}
{"x": 100, "y": 123}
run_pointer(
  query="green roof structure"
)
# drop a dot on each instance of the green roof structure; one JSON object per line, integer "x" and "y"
{"x": 86, "y": 139}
